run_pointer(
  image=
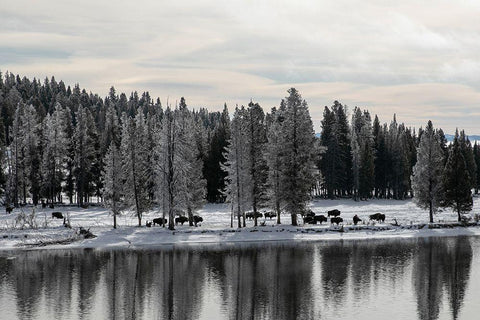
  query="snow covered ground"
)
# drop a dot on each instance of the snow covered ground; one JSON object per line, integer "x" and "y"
{"x": 49, "y": 232}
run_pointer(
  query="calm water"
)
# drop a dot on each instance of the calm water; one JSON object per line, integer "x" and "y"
{"x": 435, "y": 278}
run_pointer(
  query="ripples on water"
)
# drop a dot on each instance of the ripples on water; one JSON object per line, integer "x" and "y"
{"x": 432, "y": 278}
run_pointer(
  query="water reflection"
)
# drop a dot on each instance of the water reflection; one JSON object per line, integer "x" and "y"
{"x": 366, "y": 279}
{"x": 441, "y": 265}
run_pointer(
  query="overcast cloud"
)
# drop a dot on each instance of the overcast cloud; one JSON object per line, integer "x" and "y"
{"x": 419, "y": 59}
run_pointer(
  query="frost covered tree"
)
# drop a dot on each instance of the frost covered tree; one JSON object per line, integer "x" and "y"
{"x": 458, "y": 194}
{"x": 16, "y": 182}
{"x": 427, "y": 175}
{"x": 55, "y": 150}
{"x": 237, "y": 166}
{"x": 112, "y": 177}
{"x": 298, "y": 140}
{"x": 134, "y": 155}
{"x": 195, "y": 184}
{"x": 181, "y": 186}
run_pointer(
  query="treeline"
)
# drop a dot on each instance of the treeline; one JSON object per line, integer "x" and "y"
{"x": 57, "y": 141}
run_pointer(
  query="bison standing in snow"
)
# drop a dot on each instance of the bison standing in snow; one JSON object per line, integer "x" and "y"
{"x": 270, "y": 214}
{"x": 321, "y": 218}
{"x": 57, "y": 214}
{"x": 197, "y": 219}
{"x": 181, "y": 219}
{"x": 159, "y": 221}
{"x": 378, "y": 217}
{"x": 336, "y": 220}
{"x": 334, "y": 212}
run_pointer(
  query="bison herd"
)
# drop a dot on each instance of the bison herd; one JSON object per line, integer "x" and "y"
{"x": 179, "y": 219}
{"x": 311, "y": 218}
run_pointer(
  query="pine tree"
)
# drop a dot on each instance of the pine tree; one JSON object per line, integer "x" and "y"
{"x": 216, "y": 158}
{"x": 256, "y": 139}
{"x": 195, "y": 184}
{"x": 112, "y": 177}
{"x": 237, "y": 167}
{"x": 467, "y": 151}
{"x": 85, "y": 154}
{"x": 134, "y": 155}
{"x": 458, "y": 195}
{"x": 476, "y": 156}
{"x": 273, "y": 156}
{"x": 427, "y": 176}
{"x": 55, "y": 150}
{"x": 298, "y": 140}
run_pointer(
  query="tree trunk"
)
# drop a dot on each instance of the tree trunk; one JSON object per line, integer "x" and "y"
{"x": 294, "y": 219}
{"x": 431, "y": 211}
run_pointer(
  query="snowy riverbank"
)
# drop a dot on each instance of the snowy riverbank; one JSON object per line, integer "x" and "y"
{"x": 51, "y": 234}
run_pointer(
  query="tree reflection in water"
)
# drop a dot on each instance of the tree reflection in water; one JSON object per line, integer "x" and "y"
{"x": 266, "y": 281}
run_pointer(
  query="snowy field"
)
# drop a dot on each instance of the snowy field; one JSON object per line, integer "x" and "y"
{"x": 50, "y": 232}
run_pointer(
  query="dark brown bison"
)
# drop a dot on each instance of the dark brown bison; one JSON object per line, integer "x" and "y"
{"x": 321, "y": 218}
{"x": 8, "y": 209}
{"x": 181, "y": 219}
{"x": 336, "y": 220}
{"x": 197, "y": 219}
{"x": 334, "y": 212}
{"x": 57, "y": 214}
{"x": 378, "y": 216}
{"x": 159, "y": 221}
{"x": 356, "y": 219}
{"x": 270, "y": 214}
{"x": 309, "y": 220}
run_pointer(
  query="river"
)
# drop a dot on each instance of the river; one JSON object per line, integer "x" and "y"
{"x": 422, "y": 278}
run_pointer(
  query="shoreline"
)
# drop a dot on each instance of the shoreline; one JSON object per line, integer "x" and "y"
{"x": 135, "y": 238}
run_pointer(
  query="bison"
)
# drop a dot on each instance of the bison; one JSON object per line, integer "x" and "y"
{"x": 321, "y": 218}
{"x": 356, "y": 219}
{"x": 249, "y": 215}
{"x": 57, "y": 214}
{"x": 181, "y": 219}
{"x": 336, "y": 220}
{"x": 378, "y": 216}
{"x": 309, "y": 220}
{"x": 159, "y": 221}
{"x": 270, "y": 214}
{"x": 197, "y": 219}
{"x": 148, "y": 224}
{"x": 8, "y": 209}
{"x": 334, "y": 212}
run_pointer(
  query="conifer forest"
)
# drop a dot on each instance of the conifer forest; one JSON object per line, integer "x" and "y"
{"x": 63, "y": 144}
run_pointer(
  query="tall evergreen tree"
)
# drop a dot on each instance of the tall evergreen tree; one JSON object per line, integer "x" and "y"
{"x": 273, "y": 156}
{"x": 237, "y": 166}
{"x": 84, "y": 154}
{"x": 55, "y": 151}
{"x": 216, "y": 158}
{"x": 427, "y": 176}
{"x": 112, "y": 176}
{"x": 298, "y": 139}
{"x": 256, "y": 139}
{"x": 134, "y": 155}
{"x": 458, "y": 195}
{"x": 195, "y": 184}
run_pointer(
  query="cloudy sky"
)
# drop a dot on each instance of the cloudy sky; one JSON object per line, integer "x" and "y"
{"x": 419, "y": 59}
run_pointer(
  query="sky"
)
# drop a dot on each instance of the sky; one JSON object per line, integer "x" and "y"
{"x": 419, "y": 59}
